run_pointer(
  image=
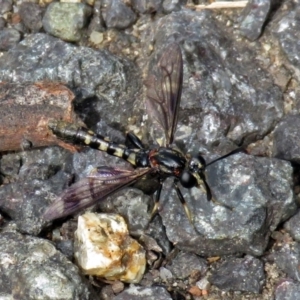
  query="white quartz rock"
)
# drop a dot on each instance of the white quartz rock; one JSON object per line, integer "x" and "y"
{"x": 104, "y": 248}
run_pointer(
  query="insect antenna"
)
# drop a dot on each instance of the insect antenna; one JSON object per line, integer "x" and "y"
{"x": 235, "y": 151}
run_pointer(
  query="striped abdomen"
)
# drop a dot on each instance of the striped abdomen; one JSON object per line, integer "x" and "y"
{"x": 73, "y": 134}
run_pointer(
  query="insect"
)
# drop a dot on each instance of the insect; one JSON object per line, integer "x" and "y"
{"x": 163, "y": 102}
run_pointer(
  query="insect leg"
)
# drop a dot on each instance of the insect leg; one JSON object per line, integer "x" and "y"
{"x": 156, "y": 201}
{"x": 209, "y": 194}
{"x": 181, "y": 198}
{"x": 207, "y": 188}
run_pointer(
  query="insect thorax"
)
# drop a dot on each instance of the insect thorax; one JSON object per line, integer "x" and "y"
{"x": 167, "y": 160}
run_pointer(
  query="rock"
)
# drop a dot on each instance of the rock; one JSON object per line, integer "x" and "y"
{"x": 240, "y": 274}
{"x": 31, "y": 268}
{"x": 9, "y": 37}
{"x": 119, "y": 15}
{"x": 66, "y": 20}
{"x": 287, "y": 139}
{"x": 103, "y": 248}
{"x": 253, "y": 18}
{"x": 149, "y": 293}
{"x": 31, "y": 15}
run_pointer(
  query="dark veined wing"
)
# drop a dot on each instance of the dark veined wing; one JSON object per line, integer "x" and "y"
{"x": 164, "y": 91}
{"x": 103, "y": 182}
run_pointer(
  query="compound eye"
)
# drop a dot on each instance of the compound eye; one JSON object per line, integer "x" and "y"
{"x": 187, "y": 179}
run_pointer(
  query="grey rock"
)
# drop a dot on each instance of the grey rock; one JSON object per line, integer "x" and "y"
{"x": 149, "y": 293}
{"x": 287, "y": 139}
{"x": 253, "y": 18}
{"x": 34, "y": 269}
{"x": 66, "y": 20}
{"x": 9, "y": 37}
{"x": 96, "y": 23}
{"x": 2, "y": 23}
{"x": 240, "y": 274}
{"x": 287, "y": 258}
{"x": 286, "y": 30}
{"x": 293, "y": 226}
{"x": 67, "y": 248}
{"x": 185, "y": 263}
{"x": 287, "y": 289}
{"x": 31, "y": 15}
{"x": 224, "y": 99}
{"x": 38, "y": 182}
{"x": 146, "y": 6}
{"x": 5, "y": 6}
{"x": 10, "y": 165}
{"x": 87, "y": 72}
{"x": 173, "y": 5}
{"x": 158, "y": 232}
{"x": 253, "y": 196}
{"x": 119, "y": 15}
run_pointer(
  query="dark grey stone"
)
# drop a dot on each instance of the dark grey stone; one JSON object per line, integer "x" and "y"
{"x": 9, "y": 38}
{"x": 147, "y": 6}
{"x": 31, "y": 15}
{"x": 10, "y": 165}
{"x": 254, "y": 195}
{"x": 119, "y": 15}
{"x": 40, "y": 179}
{"x": 185, "y": 263}
{"x": 5, "y": 6}
{"x": 33, "y": 269}
{"x": 287, "y": 139}
{"x": 286, "y": 28}
{"x": 253, "y": 18}
{"x": 293, "y": 226}
{"x": 224, "y": 101}
{"x": 240, "y": 274}
{"x": 173, "y": 5}
{"x": 287, "y": 258}
{"x": 287, "y": 289}
{"x": 149, "y": 293}
{"x": 87, "y": 72}
{"x": 2, "y": 23}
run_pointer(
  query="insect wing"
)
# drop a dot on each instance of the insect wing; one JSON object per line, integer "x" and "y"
{"x": 84, "y": 193}
{"x": 164, "y": 91}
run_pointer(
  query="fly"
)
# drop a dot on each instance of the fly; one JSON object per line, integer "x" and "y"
{"x": 163, "y": 102}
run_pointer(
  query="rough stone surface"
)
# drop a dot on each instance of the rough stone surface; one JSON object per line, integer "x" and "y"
{"x": 146, "y": 6}
{"x": 102, "y": 243}
{"x": 89, "y": 73}
{"x": 286, "y": 30}
{"x": 31, "y": 15}
{"x": 5, "y": 6}
{"x": 151, "y": 293}
{"x": 253, "y": 18}
{"x": 39, "y": 178}
{"x": 173, "y": 5}
{"x": 287, "y": 139}
{"x": 119, "y": 15}
{"x": 253, "y": 196}
{"x": 287, "y": 257}
{"x": 9, "y": 37}
{"x": 240, "y": 274}
{"x": 66, "y": 20}
{"x": 234, "y": 93}
{"x": 293, "y": 226}
{"x": 31, "y": 268}
{"x": 184, "y": 264}
{"x": 224, "y": 102}
{"x": 287, "y": 290}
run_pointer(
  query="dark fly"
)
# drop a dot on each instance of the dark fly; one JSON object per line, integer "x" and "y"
{"x": 163, "y": 102}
